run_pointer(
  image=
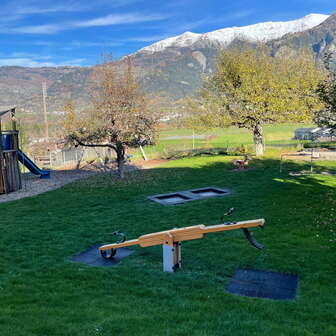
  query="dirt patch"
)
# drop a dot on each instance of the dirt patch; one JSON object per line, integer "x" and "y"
{"x": 149, "y": 163}
{"x": 297, "y": 157}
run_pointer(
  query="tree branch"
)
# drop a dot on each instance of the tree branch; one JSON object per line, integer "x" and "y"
{"x": 81, "y": 143}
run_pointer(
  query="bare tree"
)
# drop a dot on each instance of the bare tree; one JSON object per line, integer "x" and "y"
{"x": 121, "y": 114}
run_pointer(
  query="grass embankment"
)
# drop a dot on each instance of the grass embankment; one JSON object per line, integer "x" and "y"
{"x": 44, "y": 293}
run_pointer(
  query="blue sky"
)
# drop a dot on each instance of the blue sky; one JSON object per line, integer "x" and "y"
{"x": 73, "y": 32}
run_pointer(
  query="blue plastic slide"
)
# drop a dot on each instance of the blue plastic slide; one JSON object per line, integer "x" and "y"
{"x": 24, "y": 159}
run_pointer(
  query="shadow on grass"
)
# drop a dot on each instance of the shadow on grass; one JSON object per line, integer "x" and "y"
{"x": 258, "y": 192}
{"x": 40, "y": 234}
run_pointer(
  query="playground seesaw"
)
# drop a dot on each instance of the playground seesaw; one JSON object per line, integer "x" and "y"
{"x": 171, "y": 240}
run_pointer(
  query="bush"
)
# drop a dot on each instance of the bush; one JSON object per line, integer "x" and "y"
{"x": 328, "y": 145}
{"x": 172, "y": 155}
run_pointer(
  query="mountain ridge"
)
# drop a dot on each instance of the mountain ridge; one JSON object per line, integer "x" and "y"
{"x": 175, "y": 70}
{"x": 179, "y": 70}
{"x": 259, "y": 32}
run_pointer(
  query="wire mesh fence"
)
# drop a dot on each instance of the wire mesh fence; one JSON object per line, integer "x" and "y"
{"x": 72, "y": 157}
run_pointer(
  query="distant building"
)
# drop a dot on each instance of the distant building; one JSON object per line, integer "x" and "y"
{"x": 315, "y": 134}
{"x": 63, "y": 113}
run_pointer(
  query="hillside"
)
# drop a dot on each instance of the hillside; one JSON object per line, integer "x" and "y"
{"x": 23, "y": 86}
{"x": 320, "y": 39}
{"x": 177, "y": 65}
{"x": 174, "y": 66}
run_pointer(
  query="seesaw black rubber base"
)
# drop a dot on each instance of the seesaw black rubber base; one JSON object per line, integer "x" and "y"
{"x": 264, "y": 284}
{"x": 92, "y": 257}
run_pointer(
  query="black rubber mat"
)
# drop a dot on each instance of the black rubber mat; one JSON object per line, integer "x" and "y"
{"x": 92, "y": 257}
{"x": 189, "y": 195}
{"x": 264, "y": 284}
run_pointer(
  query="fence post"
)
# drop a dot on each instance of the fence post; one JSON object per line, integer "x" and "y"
{"x": 143, "y": 153}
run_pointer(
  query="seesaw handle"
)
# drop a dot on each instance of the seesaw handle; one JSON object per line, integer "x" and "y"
{"x": 234, "y": 226}
{"x": 252, "y": 241}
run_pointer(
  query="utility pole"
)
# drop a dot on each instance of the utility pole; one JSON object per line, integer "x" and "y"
{"x": 193, "y": 139}
{"x": 44, "y": 95}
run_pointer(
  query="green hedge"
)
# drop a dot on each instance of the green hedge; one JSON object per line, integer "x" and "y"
{"x": 173, "y": 155}
{"x": 329, "y": 145}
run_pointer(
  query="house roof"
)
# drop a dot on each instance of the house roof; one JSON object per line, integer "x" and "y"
{"x": 5, "y": 111}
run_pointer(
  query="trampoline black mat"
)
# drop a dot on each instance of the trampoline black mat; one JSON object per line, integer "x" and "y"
{"x": 264, "y": 284}
{"x": 92, "y": 257}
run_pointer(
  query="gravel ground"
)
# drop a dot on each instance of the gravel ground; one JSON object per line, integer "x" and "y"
{"x": 32, "y": 185}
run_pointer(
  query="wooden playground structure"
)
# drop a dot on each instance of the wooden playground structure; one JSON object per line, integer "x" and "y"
{"x": 11, "y": 155}
{"x": 171, "y": 240}
{"x": 10, "y": 174}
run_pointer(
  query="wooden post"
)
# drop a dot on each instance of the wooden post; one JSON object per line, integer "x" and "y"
{"x": 143, "y": 153}
{"x": 10, "y": 174}
{"x": 12, "y": 112}
{"x": 2, "y": 165}
{"x": 16, "y": 167}
{"x": 2, "y": 184}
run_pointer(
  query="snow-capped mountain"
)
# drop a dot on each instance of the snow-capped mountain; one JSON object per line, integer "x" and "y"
{"x": 176, "y": 66}
{"x": 260, "y": 32}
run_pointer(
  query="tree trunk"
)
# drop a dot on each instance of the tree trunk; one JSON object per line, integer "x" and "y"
{"x": 258, "y": 139}
{"x": 121, "y": 172}
{"x": 121, "y": 160}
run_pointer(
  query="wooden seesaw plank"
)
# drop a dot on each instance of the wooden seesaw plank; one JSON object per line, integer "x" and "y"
{"x": 170, "y": 237}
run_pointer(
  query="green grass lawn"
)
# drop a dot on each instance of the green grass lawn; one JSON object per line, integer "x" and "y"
{"x": 277, "y": 138}
{"x": 43, "y": 293}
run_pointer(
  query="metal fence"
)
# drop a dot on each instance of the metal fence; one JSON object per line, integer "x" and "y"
{"x": 73, "y": 156}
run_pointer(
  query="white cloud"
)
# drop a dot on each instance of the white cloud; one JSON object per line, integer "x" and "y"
{"x": 25, "y": 62}
{"x": 28, "y": 55}
{"x": 42, "y": 29}
{"x": 189, "y": 26}
{"x": 30, "y": 10}
{"x": 150, "y": 38}
{"x": 23, "y": 8}
{"x": 88, "y": 44}
{"x": 33, "y": 63}
{"x": 36, "y": 7}
{"x": 115, "y": 19}
{"x": 44, "y": 43}
{"x": 78, "y": 44}
{"x": 109, "y": 20}
{"x": 117, "y": 3}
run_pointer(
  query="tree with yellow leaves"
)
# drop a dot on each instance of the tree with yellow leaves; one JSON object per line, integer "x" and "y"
{"x": 326, "y": 117}
{"x": 250, "y": 88}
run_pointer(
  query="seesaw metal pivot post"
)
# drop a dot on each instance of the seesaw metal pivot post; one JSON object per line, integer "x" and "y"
{"x": 171, "y": 257}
